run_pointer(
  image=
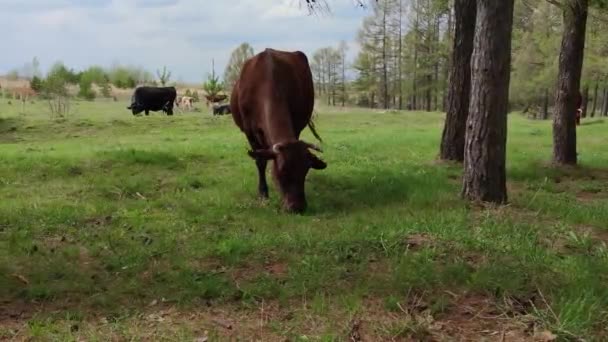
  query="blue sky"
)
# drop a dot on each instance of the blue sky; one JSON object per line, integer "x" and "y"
{"x": 185, "y": 35}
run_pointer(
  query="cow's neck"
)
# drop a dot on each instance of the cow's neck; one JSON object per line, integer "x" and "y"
{"x": 279, "y": 128}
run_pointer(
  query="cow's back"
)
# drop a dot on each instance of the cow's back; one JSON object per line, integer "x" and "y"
{"x": 276, "y": 79}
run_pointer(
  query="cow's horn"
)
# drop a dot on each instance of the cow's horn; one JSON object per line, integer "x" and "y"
{"x": 276, "y": 147}
{"x": 313, "y": 146}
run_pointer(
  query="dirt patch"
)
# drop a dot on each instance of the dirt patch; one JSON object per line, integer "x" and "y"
{"x": 589, "y": 196}
{"x": 467, "y": 318}
{"x": 473, "y": 317}
{"x": 594, "y": 233}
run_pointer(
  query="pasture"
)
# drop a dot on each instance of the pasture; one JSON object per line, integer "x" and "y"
{"x": 114, "y": 227}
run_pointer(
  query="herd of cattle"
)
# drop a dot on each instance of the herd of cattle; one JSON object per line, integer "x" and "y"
{"x": 271, "y": 103}
{"x": 153, "y": 99}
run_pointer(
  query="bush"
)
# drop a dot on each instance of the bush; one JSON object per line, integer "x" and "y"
{"x": 195, "y": 97}
{"x": 106, "y": 90}
{"x": 86, "y": 86}
{"x": 188, "y": 93}
{"x": 56, "y": 91}
{"x": 36, "y": 84}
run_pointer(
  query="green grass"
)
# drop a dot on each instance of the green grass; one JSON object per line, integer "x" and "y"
{"x": 104, "y": 213}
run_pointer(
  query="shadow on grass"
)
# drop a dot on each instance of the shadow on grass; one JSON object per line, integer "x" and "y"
{"x": 8, "y": 128}
{"x": 538, "y": 171}
{"x": 414, "y": 187}
{"x": 594, "y": 122}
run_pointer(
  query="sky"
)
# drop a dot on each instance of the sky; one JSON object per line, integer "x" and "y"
{"x": 184, "y": 35}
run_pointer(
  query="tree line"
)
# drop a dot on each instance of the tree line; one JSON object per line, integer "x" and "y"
{"x": 501, "y": 52}
{"x": 406, "y": 53}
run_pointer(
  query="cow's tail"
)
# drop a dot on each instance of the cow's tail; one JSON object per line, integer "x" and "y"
{"x": 311, "y": 125}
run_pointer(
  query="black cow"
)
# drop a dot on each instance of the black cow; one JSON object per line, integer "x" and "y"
{"x": 221, "y": 109}
{"x": 146, "y": 99}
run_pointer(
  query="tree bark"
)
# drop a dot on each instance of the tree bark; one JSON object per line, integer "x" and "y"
{"x": 452, "y": 141}
{"x": 568, "y": 83}
{"x": 595, "y": 90}
{"x": 486, "y": 138}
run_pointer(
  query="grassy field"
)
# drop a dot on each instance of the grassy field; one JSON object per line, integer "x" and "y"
{"x": 115, "y": 227}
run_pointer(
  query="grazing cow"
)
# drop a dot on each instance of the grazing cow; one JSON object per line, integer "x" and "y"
{"x": 221, "y": 109}
{"x": 153, "y": 99}
{"x": 272, "y": 102}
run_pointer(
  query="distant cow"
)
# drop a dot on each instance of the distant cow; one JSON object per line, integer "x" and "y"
{"x": 146, "y": 99}
{"x": 221, "y": 109}
{"x": 185, "y": 102}
{"x": 272, "y": 102}
{"x": 579, "y": 109}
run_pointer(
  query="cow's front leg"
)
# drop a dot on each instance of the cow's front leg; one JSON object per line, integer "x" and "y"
{"x": 261, "y": 163}
{"x": 262, "y": 185}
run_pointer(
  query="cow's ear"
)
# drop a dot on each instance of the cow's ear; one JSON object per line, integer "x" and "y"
{"x": 262, "y": 154}
{"x": 316, "y": 163}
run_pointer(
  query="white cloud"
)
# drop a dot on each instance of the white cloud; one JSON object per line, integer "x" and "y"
{"x": 185, "y": 35}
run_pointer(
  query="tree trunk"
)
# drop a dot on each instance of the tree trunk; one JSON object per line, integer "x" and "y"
{"x": 568, "y": 81}
{"x": 452, "y": 141}
{"x": 400, "y": 56}
{"x": 429, "y": 92}
{"x": 343, "y": 78}
{"x": 585, "y": 101}
{"x": 545, "y": 110}
{"x": 415, "y": 78}
{"x": 486, "y": 138}
{"x": 605, "y": 106}
{"x": 385, "y": 95}
{"x": 595, "y": 90}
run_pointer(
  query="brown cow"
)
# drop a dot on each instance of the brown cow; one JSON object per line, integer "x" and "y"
{"x": 272, "y": 102}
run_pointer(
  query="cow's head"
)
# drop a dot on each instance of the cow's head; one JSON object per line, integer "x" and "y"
{"x": 135, "y": 108}
{"x": 292, "y": 161}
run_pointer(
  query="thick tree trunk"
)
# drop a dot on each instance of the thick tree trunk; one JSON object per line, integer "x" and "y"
{"x": 486, "y": 138}
{"x": 585, "y": 101}
{"x": 452, "y": 141}
{"x": 544, "y": 114}
{"x": 568, "y": 82}
{"x": 595, "y": 90}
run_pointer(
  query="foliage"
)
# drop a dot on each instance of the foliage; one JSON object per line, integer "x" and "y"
{"x": 213, "y": 86}
{"x": 86, "y": 87}
{"x": 237, "y": 59}
{"x": 195, "y": 96}
{"x": 188, "y": 93}
{"x": 400, "y": 63}
{"x": 12, "y": 75}
{"x": 163, "y": 76}
{"x": 55, "y": 90}
{"x": 60, "y": 72}
{"x": 106, "y": 89}
{"x": 126, "y": 77}
{"x": 36, "y": 84}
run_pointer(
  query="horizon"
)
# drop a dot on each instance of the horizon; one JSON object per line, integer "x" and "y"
{"x": 82, "y": 34}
